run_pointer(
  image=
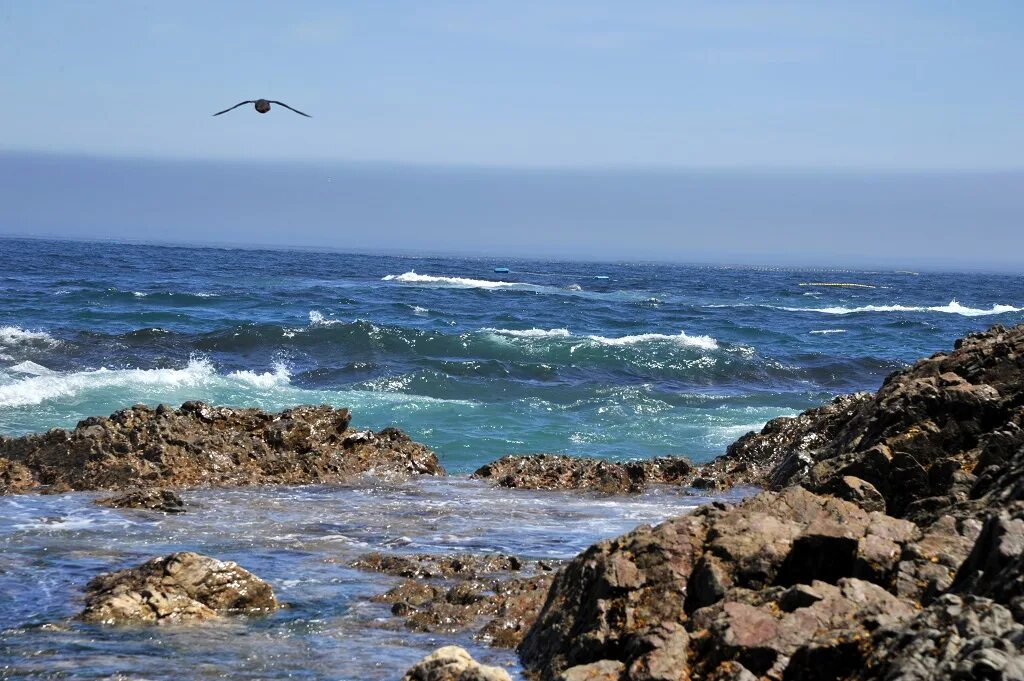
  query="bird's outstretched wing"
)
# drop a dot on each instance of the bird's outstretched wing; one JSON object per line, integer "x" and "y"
{"x": 288, "y": 107}
{"x": 248, "y": 101}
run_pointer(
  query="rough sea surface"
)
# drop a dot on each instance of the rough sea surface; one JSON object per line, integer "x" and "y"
{"x": 611, "y": 360}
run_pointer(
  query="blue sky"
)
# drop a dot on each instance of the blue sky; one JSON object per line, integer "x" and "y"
{"x": 782, "y": 132}
{"x": 865, "y": 85}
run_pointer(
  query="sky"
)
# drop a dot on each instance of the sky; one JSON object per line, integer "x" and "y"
{"x": 865, "y": 93}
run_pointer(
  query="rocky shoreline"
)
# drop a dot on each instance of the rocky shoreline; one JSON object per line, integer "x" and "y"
{"x": 888, "y": 542}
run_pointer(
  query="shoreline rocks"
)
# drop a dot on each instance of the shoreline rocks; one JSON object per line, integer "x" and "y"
{"x": 562, "y": 472}
{"x": 452, "y": 663}
{"x": 151, "y": 499}
{"x": 179, "y": 588}
{"x": 889, "y": 545}
{"x": 199, "y": 445}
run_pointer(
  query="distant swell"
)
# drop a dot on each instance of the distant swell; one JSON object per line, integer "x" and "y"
{"x": 412, "y": 277}
{"x": 953, "y": 307}
{"x": 702, "y": 342}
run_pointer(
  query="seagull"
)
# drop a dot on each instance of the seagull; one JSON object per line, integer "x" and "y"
{"x": 262, "y": 106}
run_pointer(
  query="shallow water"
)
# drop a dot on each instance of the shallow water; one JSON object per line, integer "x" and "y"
{"x": 301, "y": 540}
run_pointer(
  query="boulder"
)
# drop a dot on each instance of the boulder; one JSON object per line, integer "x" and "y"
{"x": 453, "y": 663}
{"x": 201, "y": 445}
{"x": 150, "y": 499}
{"x": 179, "y": 588}
{"x": 560, "y": 472}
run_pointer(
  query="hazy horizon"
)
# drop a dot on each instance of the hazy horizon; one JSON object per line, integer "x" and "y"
{"x": 769, "y": 218}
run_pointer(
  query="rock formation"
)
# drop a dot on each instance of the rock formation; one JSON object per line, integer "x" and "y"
{"x": 560, "y": 472}
{"x": 150, "y": 499}
{"x": 179, "y": 588}
{"x": 453, "y": 663}
{"x": 200, "y": 445}
{"x": 890, "y": 546}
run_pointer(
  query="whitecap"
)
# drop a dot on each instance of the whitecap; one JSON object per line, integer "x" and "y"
{"x": 531, "y": 333}
{"x": 703, "y": 342}
{"x": 411, "y": 277}
{"x": 30, "y": 368}
{"x": 828, "y": 331}
{"x": 278, "y": 377}
{"x": 954, "y": 307}
{"x": 317, "y": 318}
{"x": 13, "y": 335}
{"x": 139, "y": 294}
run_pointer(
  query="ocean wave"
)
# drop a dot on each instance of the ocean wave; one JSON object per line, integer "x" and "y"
{"x": 954, "y": 307}
{"x": 702, "y": 342}
{"x": 825, "y": 332}
{"x": 13, "y": 335}
{"x": 198, "y": 373}
{"x": 411, "y": 277}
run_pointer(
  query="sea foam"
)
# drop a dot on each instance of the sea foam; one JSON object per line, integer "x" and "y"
{"x": 703, "y": 342}
{"x": 13, "y": 335}
{"x": 954, "y": 307}
{"x": 411, "y": 277}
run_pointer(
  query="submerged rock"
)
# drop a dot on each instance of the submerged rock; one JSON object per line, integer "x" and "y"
{"x": 181, "y": 587}
{"x": 163, "y": 500}
{"x": 500, "y": 591}
{"x": 201, "y": 445}
{"x": 453, "y": 663}
{"x": 561, "y": 472}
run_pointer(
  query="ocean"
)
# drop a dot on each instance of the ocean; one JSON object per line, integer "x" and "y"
{"x": 614, "y": 360}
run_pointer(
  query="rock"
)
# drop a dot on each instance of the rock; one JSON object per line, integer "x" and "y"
{"x": 15, "y": 478}
{"x": 201, "y": 445}
{"x": 485, "y": 590}
{"x": 560, "y": 472}
{"x": 152, "y": 499}
{"x": 605, "y": 670}
{"x": 181, "y": 587}
{"x": 956, "y": 637}
{"x": 453, "y": 663}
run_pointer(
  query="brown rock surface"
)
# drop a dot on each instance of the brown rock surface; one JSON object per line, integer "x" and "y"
{"x": 181, "y": 587}
{"x": 561, "y": 472}
{"x": 453, "y": 663}
{"x": 201, "y": 445}
{"x": 151, "y": 499}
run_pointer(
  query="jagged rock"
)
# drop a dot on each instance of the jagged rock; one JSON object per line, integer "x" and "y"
{"x": 163, "y": 500}
{"x": 935, "y": 437}
{"x": 15, "y": 478}
{"x": 485, "y": 591}
{"x": 956, "y": 637}
{"x": 560, "y": 472}
{"x": 430, "y": 566}
{"x": 201, "y": 445}
{"x": 181, "y": 587}
{"x": 753, "y": 458}
{"x": 453, "y": 663}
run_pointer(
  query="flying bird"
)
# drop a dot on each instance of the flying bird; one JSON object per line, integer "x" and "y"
{"x": 262, "y": 106}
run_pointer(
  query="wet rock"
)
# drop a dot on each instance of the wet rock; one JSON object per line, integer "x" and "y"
{"x": 151, "y": 499}
{"x": 560, "y": 472}
{"x": 15, "y": 478}
{"x": 453, "y": 663}
{"x": 202, "y": 445}
{"x": 431, "y": 566}
{"x": 181, "y": 587}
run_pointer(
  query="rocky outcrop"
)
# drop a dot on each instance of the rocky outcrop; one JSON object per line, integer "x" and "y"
{"x": 179, "y": 588}
{"x": 496, "y": 596}
{"x": 453, "y": 663}
{"x": 201, "y": 445}
{"x": 560, "y": 472}
{"x": 933, "y": 439}
{"x": 163, "y": 500}
{"x": 15, "y": 478}
{"x": 891, "y": 547}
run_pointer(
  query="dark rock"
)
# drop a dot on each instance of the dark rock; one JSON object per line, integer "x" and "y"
{"x": 15, "y": 478}
{"x": 431, "y": 566}
{"x": 201, "y": 445}
{"x": 560, "y": 472}
{"x": 163, "y": 500}
{"x": 453, "y": 663}
{"x": 181, "y": 587}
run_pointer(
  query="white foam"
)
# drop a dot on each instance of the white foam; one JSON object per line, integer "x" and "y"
{"x": 278, "y": 377}
{"x": 30, "y": 368}
{"x": 954, "y": 307}
{"x": 411, "y": 277}
{"x": 13, "y": 335}
{"x": 703, "y": 342}
{"x": 416, "y": 309}
{"x": 828, "y": 331}
{"x": 317, "y": 318}
{"x": 139, "y": 294}
{"x": 532, "y": 333}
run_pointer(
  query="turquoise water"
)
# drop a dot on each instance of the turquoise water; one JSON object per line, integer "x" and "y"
{"x": 612, "y": 360}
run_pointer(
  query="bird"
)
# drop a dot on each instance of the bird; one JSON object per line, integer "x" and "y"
{"x": 262, "y": 106}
